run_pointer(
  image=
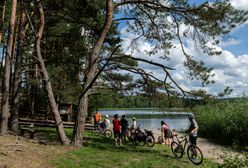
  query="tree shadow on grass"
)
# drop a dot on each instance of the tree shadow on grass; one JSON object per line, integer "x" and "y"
{"x": 102, "y": 143}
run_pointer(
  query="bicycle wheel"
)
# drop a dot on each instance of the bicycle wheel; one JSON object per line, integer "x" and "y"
{"x": 194, "y": 154}
{"x": 132, "y": 138}
{"x": 95, "y": 132}
{"x": 150, "y": 141}
{"x": 177, "y": 149}
{"x": 140, "y": 142}
{"x": 108, "y": 133}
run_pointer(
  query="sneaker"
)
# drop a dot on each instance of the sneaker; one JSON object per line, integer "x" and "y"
{"x": 121, "y": 144}
{"x": 116, "y": 144}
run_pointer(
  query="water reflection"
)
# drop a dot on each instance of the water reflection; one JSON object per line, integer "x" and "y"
{"x": 151, "y": 119}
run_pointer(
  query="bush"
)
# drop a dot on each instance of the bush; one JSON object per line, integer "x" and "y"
{"x": 237, "y": 161}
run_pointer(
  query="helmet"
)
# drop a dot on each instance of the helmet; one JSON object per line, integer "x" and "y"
{"x": 134, "y": 118}
{"x": 106, "y": 116}
{"x": 191, "y": 116}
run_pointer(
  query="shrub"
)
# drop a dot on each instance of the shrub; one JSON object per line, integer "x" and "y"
{"x": 237, "y": 161}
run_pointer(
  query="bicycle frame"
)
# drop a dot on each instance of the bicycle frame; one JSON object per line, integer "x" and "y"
{"x": 185, "y": 140}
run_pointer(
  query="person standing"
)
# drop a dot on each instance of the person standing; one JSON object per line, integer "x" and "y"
{"x": 106, "y": 120}
{"x": 97, "y": 119}
{"x": 134, "y": 126}
{"x": 124, "y": 127}
{"x": 166, "y": 133}
{"x": 117, "y": 130}
{"x": 193, "y": 129}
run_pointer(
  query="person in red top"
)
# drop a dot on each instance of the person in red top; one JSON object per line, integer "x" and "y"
{"x": 117, "y": 130}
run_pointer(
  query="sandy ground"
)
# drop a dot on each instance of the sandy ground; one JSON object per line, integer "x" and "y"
{"x": 20, "y": 152}
{"x": 210, "y": 150}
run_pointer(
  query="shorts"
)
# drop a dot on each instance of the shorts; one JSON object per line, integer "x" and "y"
{"x": 168, "y": 133}
{"x": 123, "y": 131}
{"x": 117, "y": 134}
{"x": 192, "y": 139}
{"x": 97, "y": 124}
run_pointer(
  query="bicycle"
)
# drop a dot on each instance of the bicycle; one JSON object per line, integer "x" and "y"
{"x": 142, "y": 138}
{"x": 149, "y": 138}
{"x": 107, "y": 133}
{"x": 193, "y": 152}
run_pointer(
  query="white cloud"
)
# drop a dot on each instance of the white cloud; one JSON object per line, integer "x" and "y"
{"x": 240, "y": 4}
{"x": 229, "y": 42}
{"x": 229, "y": 70}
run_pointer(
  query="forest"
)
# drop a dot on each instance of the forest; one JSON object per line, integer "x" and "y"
{"x": 71, "y": 51}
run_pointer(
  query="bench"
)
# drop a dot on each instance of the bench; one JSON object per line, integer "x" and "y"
{"x": 30, "y": 131}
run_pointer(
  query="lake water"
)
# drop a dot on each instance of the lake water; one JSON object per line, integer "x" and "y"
{"x": 151, "y": 119}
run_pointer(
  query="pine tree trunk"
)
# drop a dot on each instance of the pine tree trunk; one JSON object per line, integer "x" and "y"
{"x": 6, "y": 80}
{"x": 17, "y": 76}
{"x": 48, "y": 86}
{"x": 2, "y": 19}
{"x": 92, "y": 70}
{"x": 81, "y": 118}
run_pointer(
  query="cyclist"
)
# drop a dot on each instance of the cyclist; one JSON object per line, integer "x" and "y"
{"x": 105, "y": 123}
{"x": 117, "y": 130}
{"x": 193, "y": 129}
{"x": 106, "y": 120}
{"x": 124, "y": 126}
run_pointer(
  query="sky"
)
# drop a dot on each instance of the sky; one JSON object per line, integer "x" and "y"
{"x": 230, "y": 68}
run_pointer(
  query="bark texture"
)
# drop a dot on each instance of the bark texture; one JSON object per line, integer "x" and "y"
{"x": 2, "y": 19}
{"x": 48, "y": 87}
{"x": 6, "y": 80}
{"x": 91, "y": 72}
{"x": 17, "y": 76}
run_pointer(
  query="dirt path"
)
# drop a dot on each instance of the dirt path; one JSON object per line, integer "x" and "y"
{"x": 19, "y": 152}
{"x": 209, "y": 149}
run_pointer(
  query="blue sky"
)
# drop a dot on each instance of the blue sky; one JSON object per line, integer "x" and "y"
{"x": 230, "y": 68}
{"x": 240, "y": 35}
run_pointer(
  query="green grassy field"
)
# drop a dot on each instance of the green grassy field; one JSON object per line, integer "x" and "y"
{"x": 100, "y": 152}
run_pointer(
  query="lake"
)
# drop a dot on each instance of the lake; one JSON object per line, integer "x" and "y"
{"x": 151, "y": 119}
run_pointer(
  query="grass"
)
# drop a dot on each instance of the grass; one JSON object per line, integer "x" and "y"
{"x": 100, "y": 152}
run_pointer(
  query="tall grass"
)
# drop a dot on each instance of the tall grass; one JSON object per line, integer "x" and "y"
{"x": 225, "y": 121}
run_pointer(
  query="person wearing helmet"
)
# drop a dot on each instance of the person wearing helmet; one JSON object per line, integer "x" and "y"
{"x": 105, "y": 123}
{"x": 193, "y": 129}
{"x": 106, "y": 119}
{"x": 133, "y": 126}
{"x": 134, "y": 122}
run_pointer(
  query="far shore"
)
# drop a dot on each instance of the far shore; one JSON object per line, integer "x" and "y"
{"x": 174, "y": 109}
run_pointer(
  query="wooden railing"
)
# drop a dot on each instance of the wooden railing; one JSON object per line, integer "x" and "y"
{"x": 49, "y": 123}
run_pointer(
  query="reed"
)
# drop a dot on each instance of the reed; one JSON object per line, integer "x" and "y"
{"x": 225, "y": 121}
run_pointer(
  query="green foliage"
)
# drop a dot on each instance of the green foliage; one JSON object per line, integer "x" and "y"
{"x": 65, "y": 84}
{"x": 113, "y": 99}
{"x": 224, "y": 120}
{"x": 236, "y": 161}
